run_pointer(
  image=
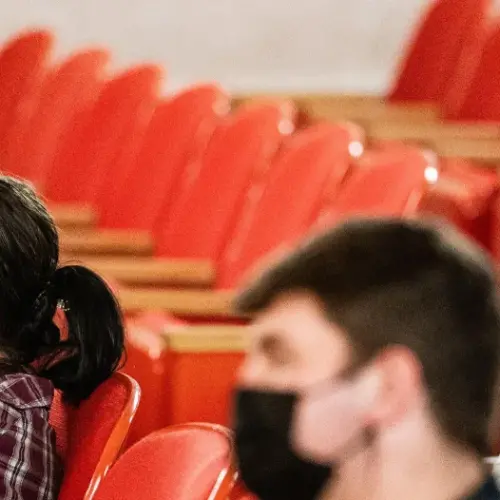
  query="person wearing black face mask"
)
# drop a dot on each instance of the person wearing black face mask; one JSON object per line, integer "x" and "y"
{"x": 372, "y": 369}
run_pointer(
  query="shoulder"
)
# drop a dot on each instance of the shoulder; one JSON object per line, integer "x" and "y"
{"x": 25, "y": 390}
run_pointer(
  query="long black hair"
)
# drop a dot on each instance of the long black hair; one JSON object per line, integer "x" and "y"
{"x": 32, "y": 287}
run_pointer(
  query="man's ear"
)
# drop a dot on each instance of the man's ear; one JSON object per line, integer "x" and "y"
{"x": 392, "y": 386}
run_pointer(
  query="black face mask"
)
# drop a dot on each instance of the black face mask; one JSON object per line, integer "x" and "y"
{"x": 268, "y": 465}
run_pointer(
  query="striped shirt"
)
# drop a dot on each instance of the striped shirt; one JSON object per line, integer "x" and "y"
{"x": 29, "y": 465}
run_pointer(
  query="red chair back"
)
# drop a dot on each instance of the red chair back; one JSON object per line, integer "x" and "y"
{"x": 95, "y": 147}
{"x": 482, "y": 102}
{"x": 435, "y": 52}
{"x": 68, "y": 90}
{"x": 147, "y": 362}
{"x": 22, "y": 65}
{"x": 176, "y": 136}
{"x": 240, "y": 151}
{"x": 464, "y": 74}
{"x": 90, "y": 437}
{"x": 464, "y": 195}
{"x": 185, "y": 462}
{"x": 281, "y": 208}
{"x": 386, "y": 186}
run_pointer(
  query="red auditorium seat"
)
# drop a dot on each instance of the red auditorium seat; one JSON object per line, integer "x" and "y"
{"x": 280, "y": 209}
{"x": 171, "y": 359}
{"x": 383, "y": 184}
{"x": 176, "y": 137}
{"x": 22, "y": 65}
{"x": 473, "y": 102}
{"x": 68, "y": 90}
{"x": 425, "y": 78}
{"x": 90, "y": 437}
{"x": 147, "y": 362}
{"x": 185, "y": 462}
{"x": 436, "y": 53}
{"x": 240, "y": 493}
{"x": 95, "y": 146}
{"x": 240, "y": 151}
{"x": 464, "y": 195}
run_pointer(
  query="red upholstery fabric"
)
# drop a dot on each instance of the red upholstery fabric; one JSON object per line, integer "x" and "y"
{"x": 240, "y": 493}
{"x": 385, "y": 185}
{"x": 176, "y": 136}
{"x": 464, "y": 195}
{"x": 22, "y": 66}
{"x": 435, "y": 53}
{"x": 466, "y": 68}
{"x": 69, "y": 89}
{"x": 94, "y": 147}
{"x": 147, "y": 362}
{"x": 281, "y": 208}
{"x": 240, "y": 151}
{"x": 83, "y": 433}
{"x": 181, "y": 463}
{"x": 483, "y": 99}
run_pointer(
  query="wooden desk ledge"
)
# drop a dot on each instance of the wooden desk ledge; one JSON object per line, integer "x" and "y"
{"x": 208, "y": 338}
{"x": 432, "y": 131}
{"x": 486, "y": 150}
{"x": 115, "y": 242}
{"x": 153, "y": 271}
{"x": 201, "y": 303}
{"x": 73, "y": 216}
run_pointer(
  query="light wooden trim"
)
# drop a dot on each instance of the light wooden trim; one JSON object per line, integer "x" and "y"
{"x": 432, "y": 132}
{"x": 483, "y": 150}
{"x": 115, "y": 242}
{"x": 152, "y": 271}
{"x": 369, "y": 112}
{"x": 204, "y": 303}
{"x": 361, "y": 108}
{"x": 208, "y": 338}
{"x": 73, "y": 216}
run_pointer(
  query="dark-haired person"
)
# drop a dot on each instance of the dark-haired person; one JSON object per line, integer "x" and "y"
{"x": 371, "y": 375}
{"x": 33, "y": 357}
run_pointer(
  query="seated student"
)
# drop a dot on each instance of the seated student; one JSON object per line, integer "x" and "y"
{"x": 33, "y": 356}
{"x": 372, "y": 369}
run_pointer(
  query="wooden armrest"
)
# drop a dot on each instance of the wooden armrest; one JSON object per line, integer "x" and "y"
{"x": 370, "y": 112}
{"x": 152, "y": 271}
{"x": 110, "y": 242}
{"x": 356, "y": 107}
{"x": 204, "y": 303}
{"x": 487, "y": 151}
{"x": 208, "y": 338}
{"x": 307, "y": 98}
{"x": 73, "y": 216}
{"x": 432, "y": 132}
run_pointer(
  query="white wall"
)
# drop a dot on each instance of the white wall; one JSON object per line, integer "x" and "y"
{"x": 245, "y": 44}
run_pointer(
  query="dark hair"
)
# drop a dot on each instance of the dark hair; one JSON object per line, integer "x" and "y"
{"x": 31, "y": 288}
{"x": 388, "y": 282}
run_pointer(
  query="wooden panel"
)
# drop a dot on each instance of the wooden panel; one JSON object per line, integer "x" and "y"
{"x": 432, "y": 132}
{"x": 204, "y": 303}
{"x": 73, "y": 216}
{"x": 487, "y": 151}
{"x": 152, "y": 271}
{"x": 362, "y": 108}
{"x": 110, "y": 242}
{"x": 204, "y": 363}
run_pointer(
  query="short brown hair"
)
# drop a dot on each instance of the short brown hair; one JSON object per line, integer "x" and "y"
{"x": 388, "y": 282}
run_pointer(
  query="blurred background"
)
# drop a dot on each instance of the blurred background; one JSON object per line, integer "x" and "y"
{"x": 296, "y": 45}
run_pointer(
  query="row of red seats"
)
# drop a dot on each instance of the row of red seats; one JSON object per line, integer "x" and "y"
{"x": 108, "y": 138}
